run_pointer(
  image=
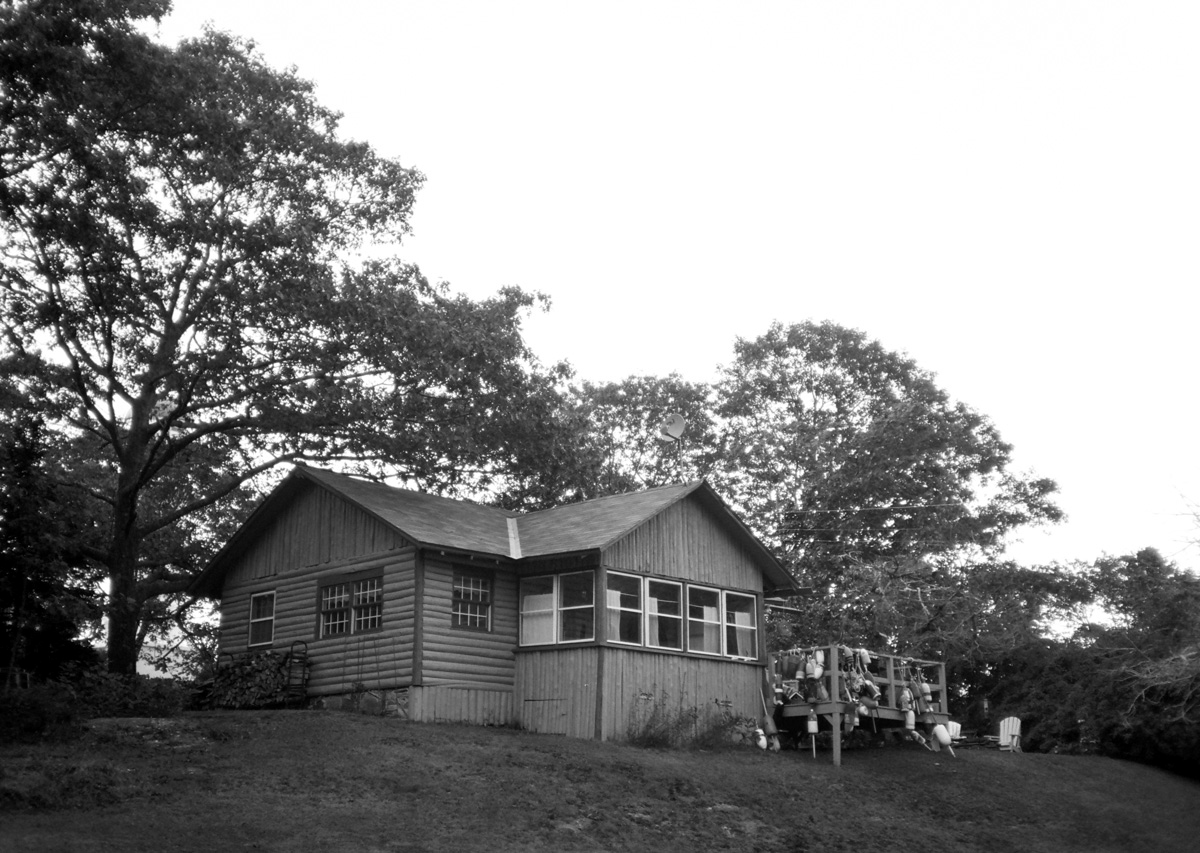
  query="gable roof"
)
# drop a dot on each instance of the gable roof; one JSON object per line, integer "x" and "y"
{"x": 430, "y": 521}
{"x": 423, "y": 519}
{"x": 594, "y": 524}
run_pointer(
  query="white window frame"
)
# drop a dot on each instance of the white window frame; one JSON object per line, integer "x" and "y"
{"x": 681, "y": 619}
{"x": 728, "y": 625}
{"x": 610, "y": 610}
{"x": 719, "y": 622}
{"x": 260, "y": 620}
{"x": 551, "y": 610}
{"x": 562, "y": 610}
{"x": 556, "y": 609}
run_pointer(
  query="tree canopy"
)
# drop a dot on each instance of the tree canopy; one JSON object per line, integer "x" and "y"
{"x": 176, "y": 295}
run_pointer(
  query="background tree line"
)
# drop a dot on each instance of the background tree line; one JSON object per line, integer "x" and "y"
{"x": 184, "y": 310}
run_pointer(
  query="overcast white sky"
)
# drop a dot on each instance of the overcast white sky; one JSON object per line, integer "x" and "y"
{"x": 1007, "y": 191}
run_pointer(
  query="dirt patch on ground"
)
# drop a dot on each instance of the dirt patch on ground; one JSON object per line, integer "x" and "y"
{"x": 304, "y": 780}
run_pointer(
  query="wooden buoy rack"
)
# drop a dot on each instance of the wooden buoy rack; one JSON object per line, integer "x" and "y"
{"x": 890, "y": 672}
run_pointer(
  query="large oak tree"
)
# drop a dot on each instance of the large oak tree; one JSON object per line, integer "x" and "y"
{"x": 175, "y": 298}
{"x": 876, "y": 487}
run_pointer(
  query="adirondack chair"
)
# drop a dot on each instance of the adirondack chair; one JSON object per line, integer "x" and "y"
{"x": 1010, "y": 734}
{"x": 955, "y": 730}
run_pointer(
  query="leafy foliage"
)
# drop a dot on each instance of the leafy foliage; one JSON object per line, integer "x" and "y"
{"x": 844, "y": 452}
{"x": 47, "y": 593}
{"x": 1127, "y": 685}
{"x": 173, "y": 297}
{"x": 622, "y": 423}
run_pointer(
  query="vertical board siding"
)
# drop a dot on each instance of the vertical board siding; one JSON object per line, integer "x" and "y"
{"x": 555, "y": 691}
{"x": 690, "y": 542}
{"x": 377, "y": 659}
{"x": 316, "y": 528}
{"x": 637, "y": 684}
{"x": 456, "y": 655}
{"x": 460, "y": 704}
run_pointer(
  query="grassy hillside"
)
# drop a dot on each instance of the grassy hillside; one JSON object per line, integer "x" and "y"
{"x": 303, "y": 780}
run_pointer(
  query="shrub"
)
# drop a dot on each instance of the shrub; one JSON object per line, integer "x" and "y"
{"x": 105, "y": 694}
{"x": 38, "y": 711}
{"x": 656, "y": 723}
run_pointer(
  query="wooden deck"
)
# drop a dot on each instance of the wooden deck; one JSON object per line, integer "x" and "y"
{"x": 891, "y": 674}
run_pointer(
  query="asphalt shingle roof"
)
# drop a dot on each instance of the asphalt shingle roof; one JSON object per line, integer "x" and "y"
{"x": 432, "y": 521}
{"x": 423, "y": 518}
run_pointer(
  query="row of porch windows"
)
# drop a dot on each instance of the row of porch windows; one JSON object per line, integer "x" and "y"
{"x": 648, "y": 612}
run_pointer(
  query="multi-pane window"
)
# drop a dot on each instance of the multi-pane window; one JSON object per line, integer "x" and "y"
{"x": 262, "y": 618}
{"x": 624, "y": 608}
{"x": 352, "y": 606}
{"x": 368, "y": 604}
{"x": 704, "y": 620}
{"x": 558, "y": 608}
{"x": 741, "y": 630}
{"x": 664, "y": 615}
{"x": 471, "y": 604}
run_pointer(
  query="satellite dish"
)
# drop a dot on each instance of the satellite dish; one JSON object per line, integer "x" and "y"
{"x": 673, "y": 429}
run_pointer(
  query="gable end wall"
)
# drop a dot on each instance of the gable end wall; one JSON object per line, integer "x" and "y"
{"x": 315, "y": 528}
{"x": 690, "y": 542}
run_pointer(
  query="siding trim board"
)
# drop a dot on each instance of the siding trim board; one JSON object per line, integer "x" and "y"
{"x": 418, "y": 627}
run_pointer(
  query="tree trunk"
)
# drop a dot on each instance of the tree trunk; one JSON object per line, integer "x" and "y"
{"x": 123, "y": 619}
{"x": 124, "y": 605}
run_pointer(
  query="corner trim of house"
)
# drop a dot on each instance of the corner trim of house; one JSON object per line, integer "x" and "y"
{"x": 418, "y": 617}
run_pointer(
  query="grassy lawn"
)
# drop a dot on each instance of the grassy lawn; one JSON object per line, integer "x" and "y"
{"x": 325, "y": 781}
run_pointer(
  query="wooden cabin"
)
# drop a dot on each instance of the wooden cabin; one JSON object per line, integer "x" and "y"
{"x": 576, "y": 620}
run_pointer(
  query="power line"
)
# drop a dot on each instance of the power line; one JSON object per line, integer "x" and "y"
{"x": 881, "y": 508}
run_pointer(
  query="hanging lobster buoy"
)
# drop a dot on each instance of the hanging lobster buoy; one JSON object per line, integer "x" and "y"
{"x": 906, "y": 700}
{"x": 812, "y": 721}
{"x": 910, "y": 721}
{"x": 941, "y": 734}
{"x": 820, "y": 656}
{"x": 926, "y": 692}
{"x": 864, "y": 658}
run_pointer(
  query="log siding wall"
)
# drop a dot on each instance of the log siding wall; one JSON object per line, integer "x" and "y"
{"x": 376, "y": 659}
{"x": 453, "y": 655}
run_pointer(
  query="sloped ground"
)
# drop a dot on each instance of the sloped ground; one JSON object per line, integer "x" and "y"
{"x": 325, "y": 781}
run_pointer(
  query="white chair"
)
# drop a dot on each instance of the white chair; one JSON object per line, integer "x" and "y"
{"x": 1010, "y": 734}
{"x": 955, "y": 730}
